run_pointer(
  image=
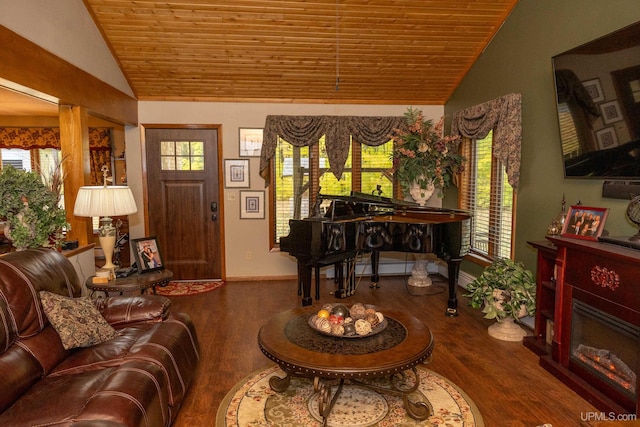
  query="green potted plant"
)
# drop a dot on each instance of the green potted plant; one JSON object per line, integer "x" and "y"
{"x": 30, "y": 210}
{"x": 506, "y": 291}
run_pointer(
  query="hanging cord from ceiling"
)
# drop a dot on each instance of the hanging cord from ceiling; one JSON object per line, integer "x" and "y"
{"x": 337, "y": 45}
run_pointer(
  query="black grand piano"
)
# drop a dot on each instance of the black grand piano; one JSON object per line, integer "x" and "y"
{"x": 366, "y": 223}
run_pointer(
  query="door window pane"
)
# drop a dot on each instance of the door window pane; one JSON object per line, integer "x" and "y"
{"x": 182, "y": 155}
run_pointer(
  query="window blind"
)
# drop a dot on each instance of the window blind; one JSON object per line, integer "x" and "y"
{"x": 486, "y": 193}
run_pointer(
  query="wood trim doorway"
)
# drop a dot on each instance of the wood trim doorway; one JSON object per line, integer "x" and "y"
{"x": 183, "y": 203}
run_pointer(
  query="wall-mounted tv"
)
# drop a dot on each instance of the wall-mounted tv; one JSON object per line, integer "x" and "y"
{"x": 598, "y": 100}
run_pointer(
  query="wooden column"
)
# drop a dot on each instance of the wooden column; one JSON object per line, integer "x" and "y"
{"x": 74, "y": 143}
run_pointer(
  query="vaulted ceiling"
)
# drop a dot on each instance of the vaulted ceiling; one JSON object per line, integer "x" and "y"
{"x": 330, "y": 51}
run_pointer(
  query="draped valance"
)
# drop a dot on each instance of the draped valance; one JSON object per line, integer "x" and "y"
{"x": 303, "y": 131}
{"x": 49, "y": 137}
{"x": 504, "y": 116}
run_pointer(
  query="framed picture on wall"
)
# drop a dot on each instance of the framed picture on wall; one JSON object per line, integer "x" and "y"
{"x": 607, "y": 138}
{"x": 250, "y": 142}
{"x": 147, "y": 254}
{"x": 610, "y": 112}
{"x": 252, "y": 205}
{"x": 236, "y": 173}
{"x": 584, "y": 222}
{"x": 594, "y": 89}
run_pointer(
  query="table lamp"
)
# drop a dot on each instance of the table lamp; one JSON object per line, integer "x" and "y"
{"x": 105, "y": 201}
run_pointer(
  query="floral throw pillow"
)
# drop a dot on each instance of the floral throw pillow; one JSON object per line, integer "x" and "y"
{"x": 77, "y": 321}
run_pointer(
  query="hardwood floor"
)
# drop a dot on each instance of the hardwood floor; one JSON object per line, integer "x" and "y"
{"x": 502, "y": 378}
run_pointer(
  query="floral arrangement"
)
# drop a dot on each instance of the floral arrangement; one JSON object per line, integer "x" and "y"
{"x": 504, "y": 289}
{"x": 30, "y": 210}
{"x": 423, "y": 154}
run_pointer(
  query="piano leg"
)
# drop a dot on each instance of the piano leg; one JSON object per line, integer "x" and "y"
{"x": 453, "y": 267}
{"x": 352, "y": 276}
{"x": 346, "y": 283}
{"x": 375, "y": 262}
{"x": 304, "y": 281}
{"x": 317, "y": 278}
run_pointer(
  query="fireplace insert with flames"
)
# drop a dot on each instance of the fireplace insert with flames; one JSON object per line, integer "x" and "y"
{"x": 605, "y": 346}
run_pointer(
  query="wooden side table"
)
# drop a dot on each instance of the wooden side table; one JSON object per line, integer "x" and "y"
{"x": 135, "y": 282}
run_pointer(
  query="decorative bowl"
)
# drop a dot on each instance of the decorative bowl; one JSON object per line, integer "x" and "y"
{"x": 363, "y": 321}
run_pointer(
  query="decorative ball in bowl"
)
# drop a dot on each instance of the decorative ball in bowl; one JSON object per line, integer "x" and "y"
{"x": 339, "y": 320}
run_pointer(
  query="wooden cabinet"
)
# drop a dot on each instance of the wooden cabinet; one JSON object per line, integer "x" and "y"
{"x": 540, "y": 342}
{"x": 588, "y": 291}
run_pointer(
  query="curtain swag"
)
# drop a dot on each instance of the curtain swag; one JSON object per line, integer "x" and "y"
{"x": 303, "y": 131}
{"x": 504, "y": 115}
{"x": 49, "y": 137}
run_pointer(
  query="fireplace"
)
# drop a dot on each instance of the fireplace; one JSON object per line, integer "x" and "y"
{"x": 605, "y": 347}
{"x": 595, "y": 345}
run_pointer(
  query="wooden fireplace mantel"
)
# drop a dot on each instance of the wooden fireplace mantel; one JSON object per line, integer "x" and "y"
{"x": 602, "y": 275}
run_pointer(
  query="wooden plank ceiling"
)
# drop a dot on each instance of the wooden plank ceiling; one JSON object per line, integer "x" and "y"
{"x": 329, "y": 51}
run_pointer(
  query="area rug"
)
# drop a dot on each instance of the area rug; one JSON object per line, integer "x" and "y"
{"x": 181, "y": 288}
{"x": 252, "y": 403}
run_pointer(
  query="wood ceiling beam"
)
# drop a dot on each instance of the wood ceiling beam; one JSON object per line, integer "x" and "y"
{"x": 27, "y": 64}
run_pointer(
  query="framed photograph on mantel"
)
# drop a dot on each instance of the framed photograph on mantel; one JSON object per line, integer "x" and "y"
{"x": 584, "y": 222}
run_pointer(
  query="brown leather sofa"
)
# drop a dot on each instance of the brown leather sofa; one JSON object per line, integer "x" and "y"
{"x": 138, "y": 378}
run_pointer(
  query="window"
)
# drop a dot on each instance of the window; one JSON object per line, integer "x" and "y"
{"x": 43, "y": 160}
{"x": 486, "y": 192}
{"x": 299, "y": 173}
{"x": 182, "y": 155}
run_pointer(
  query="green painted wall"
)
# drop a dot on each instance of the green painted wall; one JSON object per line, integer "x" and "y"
{"x": 519, "y": 60}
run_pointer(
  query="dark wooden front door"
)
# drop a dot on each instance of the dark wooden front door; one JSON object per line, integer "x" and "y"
{"x": 184, "y": 200}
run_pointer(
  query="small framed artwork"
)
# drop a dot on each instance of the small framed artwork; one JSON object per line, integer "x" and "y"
{"x": 584, "y": 222}
{"x": 610, "y": 112}
{"x": 147, "y": 254}
{"x": 594, "y": 89}
{"x": 250, "y": 142}
{"x": 236, "y": 173}
{"x": 252, "y": 205}
{"x": 607, "y": 138}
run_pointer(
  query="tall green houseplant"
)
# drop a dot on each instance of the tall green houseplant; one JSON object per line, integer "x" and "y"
{"x": 30, "y": 210}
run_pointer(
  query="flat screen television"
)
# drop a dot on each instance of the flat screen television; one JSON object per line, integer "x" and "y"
{"x": 598, "y": 101}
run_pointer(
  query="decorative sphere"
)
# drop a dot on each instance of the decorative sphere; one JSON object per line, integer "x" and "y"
{"x": 357, "y": 311}
{"x": 362, "y": 327}
{"x": 372, "y": 319}
{"x": 633, "y": 211}
{"x": 340, "y": 310}
{"x": 336, "y": 320}
{"x": 349, "y": 329}
{"x": 324, "y": 313}
{"x": 337, "y": 329}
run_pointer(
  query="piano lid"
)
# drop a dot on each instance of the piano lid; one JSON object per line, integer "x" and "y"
{"x": 362, "y": 204}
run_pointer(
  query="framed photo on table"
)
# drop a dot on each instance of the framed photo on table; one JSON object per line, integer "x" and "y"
{"x": 236, "y": 173}
{"x": 147, "y": 254}
{"x": 584, "y": 222}
{"x": 250, "y": 142}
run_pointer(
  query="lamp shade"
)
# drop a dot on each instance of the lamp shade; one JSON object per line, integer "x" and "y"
{"x": 112, "y": 200}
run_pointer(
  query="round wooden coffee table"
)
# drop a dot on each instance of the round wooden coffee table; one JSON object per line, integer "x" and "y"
{"x": 135, "y": 282}
{"x": 299, "y": 350}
